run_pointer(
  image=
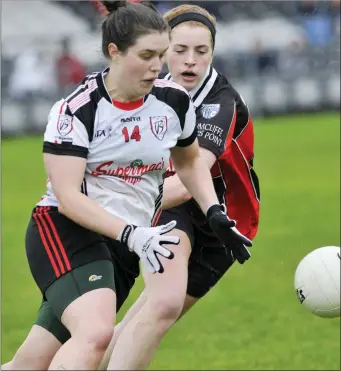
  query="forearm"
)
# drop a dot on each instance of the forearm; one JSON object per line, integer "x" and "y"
{"x": 174, "y": 193}
{"x": 86, "y": 212}
{"x": 196, "y": 177}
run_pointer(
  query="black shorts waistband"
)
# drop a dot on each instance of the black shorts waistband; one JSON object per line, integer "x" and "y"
{"x": 44, "y": 209}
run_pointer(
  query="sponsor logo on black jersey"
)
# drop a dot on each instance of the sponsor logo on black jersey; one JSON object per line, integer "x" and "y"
{"x": 209, "y": 110}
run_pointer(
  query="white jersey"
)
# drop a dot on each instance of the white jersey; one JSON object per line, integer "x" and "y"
{"x": 127, "y": 145}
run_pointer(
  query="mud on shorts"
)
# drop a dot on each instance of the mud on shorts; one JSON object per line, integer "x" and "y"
{"x": 67, "y": 260}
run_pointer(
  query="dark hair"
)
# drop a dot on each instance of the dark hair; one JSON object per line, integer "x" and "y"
{"x": 126, "y": 22}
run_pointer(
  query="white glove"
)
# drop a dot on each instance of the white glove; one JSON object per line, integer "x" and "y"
{"x": 147, "y": 243}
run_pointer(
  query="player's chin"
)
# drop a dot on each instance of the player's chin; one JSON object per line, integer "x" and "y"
{"x": 188, "y": 85}
{"x": 146, "y": 86}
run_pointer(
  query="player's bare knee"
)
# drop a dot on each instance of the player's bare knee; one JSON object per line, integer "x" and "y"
{"x": 97, "y": 337}
{"x": 167, "y": 307}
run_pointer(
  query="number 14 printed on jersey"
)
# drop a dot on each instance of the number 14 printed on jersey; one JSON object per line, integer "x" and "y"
{"x": 135, "y": 135}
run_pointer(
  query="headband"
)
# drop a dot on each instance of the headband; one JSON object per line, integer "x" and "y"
{"x": 185, "y": 17}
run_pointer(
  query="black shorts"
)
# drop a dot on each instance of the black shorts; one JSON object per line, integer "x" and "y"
{"x": 126, "y": 270}
{"x": 209, "y": 259}
{"x": 56, "y": 246}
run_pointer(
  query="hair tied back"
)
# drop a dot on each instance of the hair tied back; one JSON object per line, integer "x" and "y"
{"x": 112, "y": 6}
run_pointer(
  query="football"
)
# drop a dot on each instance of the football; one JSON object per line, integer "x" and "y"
{"x": 317, "y": 281}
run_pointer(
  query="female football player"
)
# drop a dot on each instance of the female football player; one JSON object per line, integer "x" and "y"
{"x": 105, "y": 182}
{"x": 225, "y": 134}
{"x": 163, "y": 301}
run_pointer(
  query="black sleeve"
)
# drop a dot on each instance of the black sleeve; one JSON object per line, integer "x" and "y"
{"x": 216, "y": 121}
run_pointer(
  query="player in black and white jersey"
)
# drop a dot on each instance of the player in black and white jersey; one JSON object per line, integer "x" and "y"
{"x": 106, "y": 150}
{"x": 225, "y": 134}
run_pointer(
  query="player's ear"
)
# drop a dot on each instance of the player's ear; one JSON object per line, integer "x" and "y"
{"x": 113, "y": 50}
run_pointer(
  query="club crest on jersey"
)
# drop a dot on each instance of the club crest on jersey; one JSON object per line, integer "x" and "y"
{"x": 158, "y": 124}
{"x": 64, "y": 125}
{"x": 209, "y": 110}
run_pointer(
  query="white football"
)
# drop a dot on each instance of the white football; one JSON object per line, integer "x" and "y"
{"x": 317, "y": 281}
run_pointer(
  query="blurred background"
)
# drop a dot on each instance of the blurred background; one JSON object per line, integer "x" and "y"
{"x": 284, "y": 58}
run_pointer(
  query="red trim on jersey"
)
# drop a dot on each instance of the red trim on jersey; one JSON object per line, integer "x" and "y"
{"x": 128, "y": 106}
{"x": 48, "y": 251}
{"x": 240, "y": 196}
{"x": 231, "y": 128}
{"x": 156, "y": 218}
{"x": 61, "y": 108}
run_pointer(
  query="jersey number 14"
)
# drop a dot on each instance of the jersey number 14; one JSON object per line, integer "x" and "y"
{"x": 135, "y": 135}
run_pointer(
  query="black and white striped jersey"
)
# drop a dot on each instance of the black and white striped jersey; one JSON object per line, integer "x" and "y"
{"x": 127, "y": 145}
{"x": 225, "y": 128}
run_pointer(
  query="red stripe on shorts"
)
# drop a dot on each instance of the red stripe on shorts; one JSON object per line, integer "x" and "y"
{"x": 48, "y": 251}
{"x": 59, "y": 242}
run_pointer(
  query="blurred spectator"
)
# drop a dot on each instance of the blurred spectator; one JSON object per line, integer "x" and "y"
{"x": 292, "y": 61}
{"x": 335, "y": 10}
{"x": 70, "y": 70}
{"x": 317, "y": 21}
{"x": 265, "y": 60}
{"x": 32, "y": 79}
{"x": 99, "y": 6}
{"x": 32, "y": 75}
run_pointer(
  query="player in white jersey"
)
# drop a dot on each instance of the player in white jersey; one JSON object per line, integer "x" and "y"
{"x": 106, "y": 149}
{"x": 226, "y": 138}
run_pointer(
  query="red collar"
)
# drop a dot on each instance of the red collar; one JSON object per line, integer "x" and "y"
{"x": 128, "y": 106}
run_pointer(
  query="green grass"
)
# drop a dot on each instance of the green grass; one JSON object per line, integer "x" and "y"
{"x": 251, "y": 319}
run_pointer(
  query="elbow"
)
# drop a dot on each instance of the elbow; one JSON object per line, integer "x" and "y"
{"x": 65, "y": 203}
{"x": 61, "y": 209}
{"x": 186, "y": 196}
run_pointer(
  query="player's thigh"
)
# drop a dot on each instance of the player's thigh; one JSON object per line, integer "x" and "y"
{"x": 126, "y": 269}
{"x": 171, "y": 285}
{"x": 207, "y": 265}
{"x": 173, "y": 281}
{"x": 48, "y": 320}
{"x": 96, "y": 277}
{"x": 67, "y": 258}
{"x": 37, "y": 351}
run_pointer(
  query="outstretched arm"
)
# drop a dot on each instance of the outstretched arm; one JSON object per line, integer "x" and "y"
{"x": 194, "y": 174}
{"x": 174, "y": 192}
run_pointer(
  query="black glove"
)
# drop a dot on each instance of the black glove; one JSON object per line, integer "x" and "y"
{"x": 225, "y": 229}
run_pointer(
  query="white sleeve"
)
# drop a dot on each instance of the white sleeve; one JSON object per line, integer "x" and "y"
{"x": 65, "y": 134}
{"x": 189, "y": 131}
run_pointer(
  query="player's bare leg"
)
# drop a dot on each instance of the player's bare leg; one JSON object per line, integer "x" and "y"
{"x": 89, "y": 319}
{"x": 36, "y": 352}
{"x": 133, "y": 310}
{"x": 165, "y": 295}
{"x": 137, "y": 306}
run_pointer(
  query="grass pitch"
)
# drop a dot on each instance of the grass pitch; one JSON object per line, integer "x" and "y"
{"x": 252, "y": 319}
